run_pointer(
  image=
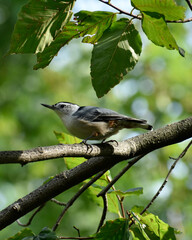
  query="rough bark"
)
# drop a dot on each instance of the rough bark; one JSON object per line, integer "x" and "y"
{"x": 101, "y": 157}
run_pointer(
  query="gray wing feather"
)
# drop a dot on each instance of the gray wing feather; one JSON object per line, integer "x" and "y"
{"x": 95, "y": 114}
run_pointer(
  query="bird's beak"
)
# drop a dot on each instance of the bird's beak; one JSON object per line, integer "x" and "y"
{"x": 48, "y": 106}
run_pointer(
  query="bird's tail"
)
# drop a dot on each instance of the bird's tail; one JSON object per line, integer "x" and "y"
{"x": 136, "y": 123}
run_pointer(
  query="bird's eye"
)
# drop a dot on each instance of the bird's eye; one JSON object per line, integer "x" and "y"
{"x": 62, "y": 106}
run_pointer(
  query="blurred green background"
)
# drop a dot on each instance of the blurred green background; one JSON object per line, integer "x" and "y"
{"x": 159, "y": 89}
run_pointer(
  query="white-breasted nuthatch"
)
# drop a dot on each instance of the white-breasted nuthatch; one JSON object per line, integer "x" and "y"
{"x": 94, "y": 123}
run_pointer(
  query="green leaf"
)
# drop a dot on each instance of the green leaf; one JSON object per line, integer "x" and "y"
{"x": 48, "y": 179}
{"x": 114, "y": 55}
{"x": 129, "y": 192}
{"x": 137, "y": 209}
{"x": 168, "y": 8}
{"x": 46, "y": 234}
{"x": 151, "y": 226}
{"x": 64, "y": 138}
{"x": 73, "y": 162}
{"x": 89, "y": 25}
{"x": 140, "y": 227}
{"x": 95, "y": 22}
{"x": 39, "y": 22}
{"x": 155, "y": 226}
{"x": 25, "y": 233}
{"x": 113, "y": 230}
{"x": 92, "y": 191}
{"x": 136, "y": 234}
{"x": 156, "y": 29}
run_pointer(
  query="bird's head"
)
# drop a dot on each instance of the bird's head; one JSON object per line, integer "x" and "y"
{"x": 63, "y": 108}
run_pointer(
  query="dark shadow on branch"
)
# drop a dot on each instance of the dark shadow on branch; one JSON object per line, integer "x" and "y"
{"x": 133, "y": 147}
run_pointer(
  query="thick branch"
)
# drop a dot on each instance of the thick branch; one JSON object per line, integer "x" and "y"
{"x": 141, "y": 144}
{"x": 132, "y": 147}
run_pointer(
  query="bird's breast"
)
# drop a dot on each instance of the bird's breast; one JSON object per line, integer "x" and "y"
{"x": 92, "y": 130}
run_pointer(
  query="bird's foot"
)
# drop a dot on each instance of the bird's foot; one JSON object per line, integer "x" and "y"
{"x": 89, "y": 146}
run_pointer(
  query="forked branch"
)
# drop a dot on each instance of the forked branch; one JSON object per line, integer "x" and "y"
{"x": 133, "y": 147}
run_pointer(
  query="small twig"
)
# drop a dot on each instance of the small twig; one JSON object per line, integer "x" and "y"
{"x": 78, "y": 231}
{"x": 58, "y": 202}
{"x": 189, "y": 4}
{"x": 120, "y": 10}
{"x": 119, "y": 199}
{"x": 31, "y": 218}
{"x": 111, "y": 183}
{"x": 105, "y": 206}
{"x": 124, "y": 170}
{"x": 122, "y": 207}
{"x": 180, "y": 21}
{"x": 166, "y": 179}
{"x": 140, "y": 17}
{"x": 72, "y": 200}
{"x": 130, "y": 218}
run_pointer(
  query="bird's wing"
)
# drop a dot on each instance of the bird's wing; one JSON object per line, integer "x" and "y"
{"x": 95, "y": 114}
{"x": 87, "y": 113}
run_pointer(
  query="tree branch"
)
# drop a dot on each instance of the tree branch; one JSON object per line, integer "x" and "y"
{"x": 140, "y": 17}
{"x": 120, "y": 10}
{"x": 133, "y": 147}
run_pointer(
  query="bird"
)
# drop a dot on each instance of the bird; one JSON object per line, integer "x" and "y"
{"x": 94, "y": 123}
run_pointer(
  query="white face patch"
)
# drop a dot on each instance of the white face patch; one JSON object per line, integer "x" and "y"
{"x": 65, "y": 108}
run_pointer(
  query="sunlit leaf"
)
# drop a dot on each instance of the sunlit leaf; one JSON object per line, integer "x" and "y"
{"x": 89, "y": 25}
{"x": 113, "y": 230}
{"x": 137, "y": 209}
{"x": 93, "y": 190}
{"x": 114, "y": 55}
{"x": 129, "y": 192}
{"x": 158, "y": 227}
{"x": 25, "y": 233}
{"x": 151, "y": 226}
{"x": 154, "y": 16}
{"x": 48, "y": 179}
{"x": 136, "y": 234}
{"x": 156, "y": 29}
{"x": 38, "y": 24}
{"x": 95, "y": 24}
{"x": 168, "y": 8}
{"x": 65, "y": 138}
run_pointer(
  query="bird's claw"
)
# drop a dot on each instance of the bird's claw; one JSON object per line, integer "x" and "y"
{"x": 89, "y": 146}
